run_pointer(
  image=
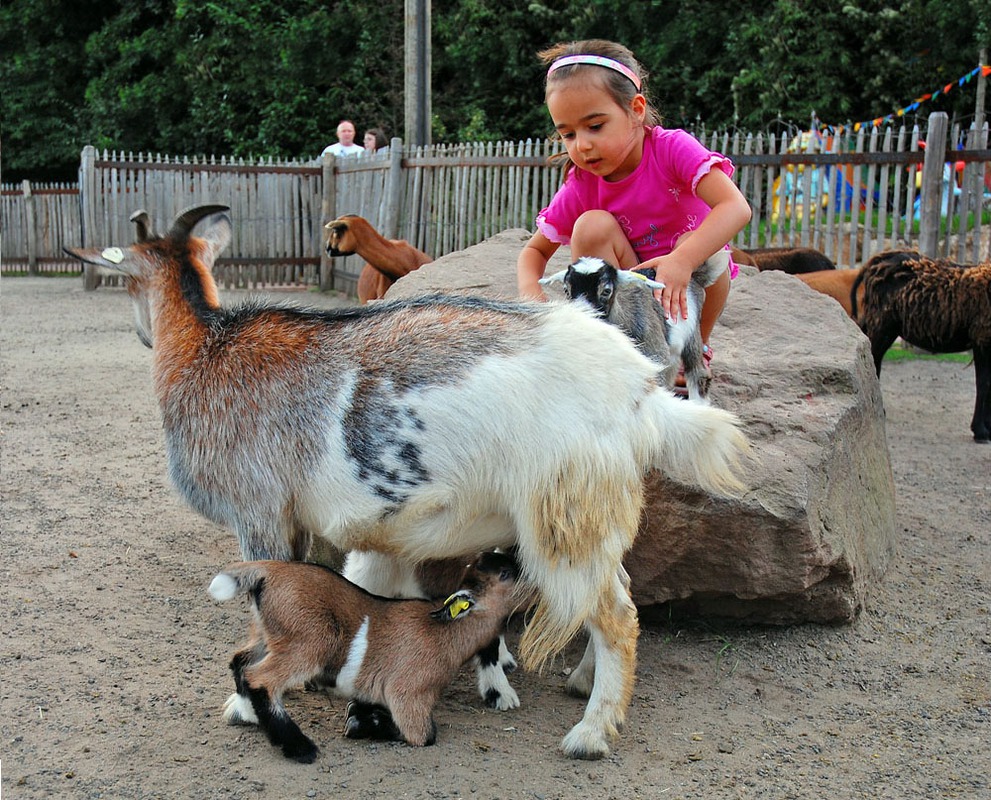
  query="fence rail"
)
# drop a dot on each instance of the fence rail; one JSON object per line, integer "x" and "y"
{"x": 848, "y": 196}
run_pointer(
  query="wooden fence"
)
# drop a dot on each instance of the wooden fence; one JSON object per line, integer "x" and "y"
{"x": 849, "y": 196}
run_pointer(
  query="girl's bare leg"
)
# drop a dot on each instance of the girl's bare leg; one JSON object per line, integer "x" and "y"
{"x": 597, "y": 233}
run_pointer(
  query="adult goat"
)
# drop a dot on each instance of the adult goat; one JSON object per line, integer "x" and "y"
{"x": 386, "y": 260}
{"x": 420, "y": 429}
{"x": 934, "y": 304}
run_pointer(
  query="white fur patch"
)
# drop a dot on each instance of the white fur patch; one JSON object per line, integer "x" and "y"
{"x": 239, "y": 711}
{"x": 588, "y": 265}
{"x": 493, "y": 678}
{"x": 348, "y": 676}
{"x": 223, "y": 587}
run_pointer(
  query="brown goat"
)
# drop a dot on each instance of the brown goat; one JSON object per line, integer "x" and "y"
{"x": 837, "y": 283}
{"x": 935, "y": 304}
{"x": 309, "y": 623}
{"x": 793, "y": 260}
{"x": 386, "y": 260}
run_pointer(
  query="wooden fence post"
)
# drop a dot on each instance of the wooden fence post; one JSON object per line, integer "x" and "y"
{"x": 393, "y": 189}
{"x": 932, "y": 183}
{"x": 87, "y": 212}
{"x": 29, "y": 224}
{"x": 328, "y": 211}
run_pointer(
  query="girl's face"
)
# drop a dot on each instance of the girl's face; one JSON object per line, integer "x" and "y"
{"x": 601, "y": 136}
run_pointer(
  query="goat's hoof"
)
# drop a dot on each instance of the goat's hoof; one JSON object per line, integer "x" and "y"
{"x": 369, "y": 722}
{"x": 585, "y": 742}
{"x": 303, "y": 752}
{"x": 504, "y": 699}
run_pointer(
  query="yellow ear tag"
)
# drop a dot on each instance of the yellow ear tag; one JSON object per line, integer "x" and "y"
{"x": 113, "y": 254}
{"x": 457, "y": 605}
{"x": 639, "y": 275}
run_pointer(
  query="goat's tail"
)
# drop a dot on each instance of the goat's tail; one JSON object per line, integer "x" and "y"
{"x": 694, "y": 444}
{"x": 236, "y": 579}
{"x": 709, "y": 271}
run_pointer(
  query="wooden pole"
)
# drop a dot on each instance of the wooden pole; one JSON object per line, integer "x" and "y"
{"x": 982, "y": 83}
{"x": 29, "y": 221}
{"x": 328, "y": 211}
{"x": 932, "y": 183}
{"x": 87, "y": 201}
{"x": 394, "y": 189}
{"x": 418, "y": 65}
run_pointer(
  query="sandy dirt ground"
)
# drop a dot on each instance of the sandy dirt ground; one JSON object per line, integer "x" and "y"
{"x": 113, "y": 663}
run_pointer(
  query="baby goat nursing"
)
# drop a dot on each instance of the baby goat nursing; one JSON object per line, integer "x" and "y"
{"x": 309, "y": 623}
{"x": 427, "y": 428}
{"x": 626, "y": 299}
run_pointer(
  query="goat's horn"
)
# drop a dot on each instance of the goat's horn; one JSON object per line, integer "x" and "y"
{"x": 631, "y": 276}
{"x": 557, "y": 277}
{"x": 143, "y": 222}
{"x": 187, "y": 220}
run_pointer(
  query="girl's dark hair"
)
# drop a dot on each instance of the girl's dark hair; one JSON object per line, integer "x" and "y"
{"x": 618, "y": 86}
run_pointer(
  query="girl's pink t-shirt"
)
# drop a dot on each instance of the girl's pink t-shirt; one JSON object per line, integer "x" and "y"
{"x": 655, "y": 204}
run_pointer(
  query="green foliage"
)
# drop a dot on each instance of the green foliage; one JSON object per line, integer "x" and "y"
{"x": 274, "y": 77}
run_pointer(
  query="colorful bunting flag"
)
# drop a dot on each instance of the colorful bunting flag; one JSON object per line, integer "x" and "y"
{"x": 984, "y": 69}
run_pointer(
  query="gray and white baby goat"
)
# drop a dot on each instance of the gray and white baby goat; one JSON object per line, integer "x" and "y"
{"x": 625, "y": 298}
{"x": 311, "y": 624}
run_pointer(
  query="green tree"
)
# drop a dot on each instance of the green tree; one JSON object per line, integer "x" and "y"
{"x": 274, "y": 77}
{"x": 43, "y": 45}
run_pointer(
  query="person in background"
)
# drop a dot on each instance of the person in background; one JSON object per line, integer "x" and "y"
{"x": 375, "y": 142}
{"x": 344, "y": 146}
{"x": 635, "y": 194}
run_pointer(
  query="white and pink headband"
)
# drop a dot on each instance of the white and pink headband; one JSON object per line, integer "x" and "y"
{"x": 598, "y": 61}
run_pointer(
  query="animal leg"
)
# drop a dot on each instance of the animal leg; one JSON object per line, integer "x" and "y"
{"x": 369, "y": 721}
{"x": 411, "y": 712}
{"x": 697, "y": 377}
{"x": 279, "y": 727}
{"x": 265, "y": 544}
{"x": 881, "y": 340}
{"x": 613, "y": 632}
{"x": 582, "y": 679}
{"x": 492, "y": 664}
{"x": 980, "y": 425}
{"x": 238, "y": 709}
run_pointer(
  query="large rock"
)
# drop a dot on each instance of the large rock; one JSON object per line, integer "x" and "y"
{"x": 817, "y": 529}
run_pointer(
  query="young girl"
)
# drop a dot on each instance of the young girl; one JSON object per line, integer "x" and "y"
{"x": 635, "y": 194}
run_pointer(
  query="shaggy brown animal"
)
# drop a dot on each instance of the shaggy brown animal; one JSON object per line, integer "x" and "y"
{"x": 793, "y": 260}
{"x": 934, "y": 304}
{"x": 386, "y": 260}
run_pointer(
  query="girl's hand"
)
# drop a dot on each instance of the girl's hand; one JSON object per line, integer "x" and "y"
{"x": 675, "y": 274}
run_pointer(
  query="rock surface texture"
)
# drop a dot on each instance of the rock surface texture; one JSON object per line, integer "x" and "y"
{"x": 816, "y": 531}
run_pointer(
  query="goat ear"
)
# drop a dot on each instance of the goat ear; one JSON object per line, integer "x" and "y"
{"x": 457, "y": 605}
{"x": 217, "y": 234}
{"x": 557, "y": 277}
{"x": 115, "y": 258}
{"x": 632, "y": 276}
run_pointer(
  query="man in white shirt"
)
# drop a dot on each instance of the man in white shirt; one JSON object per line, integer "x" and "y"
{"x": 344, "y": 146}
